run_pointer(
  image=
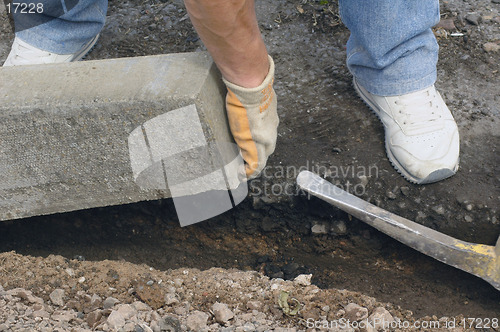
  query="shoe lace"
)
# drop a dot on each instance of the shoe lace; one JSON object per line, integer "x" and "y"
{"x": 419, "y": 110}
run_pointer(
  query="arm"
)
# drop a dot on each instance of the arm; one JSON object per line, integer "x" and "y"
{"x": 229, "y": 30}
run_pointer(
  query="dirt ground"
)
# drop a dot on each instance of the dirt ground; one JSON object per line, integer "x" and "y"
{"x": 323, "y": 126}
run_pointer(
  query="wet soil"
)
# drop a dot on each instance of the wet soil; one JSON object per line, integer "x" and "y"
{"x": 326, "y": 128}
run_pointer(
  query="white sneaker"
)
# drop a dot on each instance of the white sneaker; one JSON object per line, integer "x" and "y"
{"x": 421, "y": 136}
{"x": 23, "y": 53}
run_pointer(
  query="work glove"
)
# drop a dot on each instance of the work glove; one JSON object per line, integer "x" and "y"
{"x": 253, "y": 120}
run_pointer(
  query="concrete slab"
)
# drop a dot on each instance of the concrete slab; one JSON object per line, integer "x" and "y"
{"x": 97, "y": 133}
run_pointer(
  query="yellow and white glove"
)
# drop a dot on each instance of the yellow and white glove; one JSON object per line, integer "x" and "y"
{"x": 253, "y": 119}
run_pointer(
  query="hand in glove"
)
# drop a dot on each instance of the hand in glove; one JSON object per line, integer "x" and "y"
{"x": 253, "y": 120}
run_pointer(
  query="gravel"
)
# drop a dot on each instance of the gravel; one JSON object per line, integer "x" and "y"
{"x": 211, "y": 300}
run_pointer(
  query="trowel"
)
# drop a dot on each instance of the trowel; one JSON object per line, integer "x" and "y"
{"x": 478, "y": 259}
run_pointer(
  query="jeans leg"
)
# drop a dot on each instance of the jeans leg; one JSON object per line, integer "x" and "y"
{"x": 391, "y": 50}
{"x": 61, "y": 26}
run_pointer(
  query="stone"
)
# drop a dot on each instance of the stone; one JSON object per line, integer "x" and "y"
{"x": 473, "y": 18}
{"x": 254, "y": 305}
{"x": 141, "y": 306}
{"x": 79, "y": 142}
{"x": 303, "y": 279}
{"x": 491, "y": 47}
{"x": 126, "y": 310}
{"x": 439, "y": 210}
{"x": 446, "y": 24}
{"x": 355, "y": 312}
{"x": 405, "y": 191}
{"x": 25, "y": 295}
{"x": 116, "y": 320}
{"x": 319, "y": 228}
{"x": 380, "y": 319}
{"x": 110, "y": 302}
{"x": 338, "y": 227}
{"x": 40, "y": 313}
{"x": 93, "y": 318}
{"x": 197, "y": 321}
{"x": 64, "y": 316}
{"x": 95, "y": 301}
{"x": 170, "y": 323}
{"x": 57, "y": 297}
{"x": 390, "y": 195}
{"x": 171, "y": 299}
{"x": 222, "y": 313}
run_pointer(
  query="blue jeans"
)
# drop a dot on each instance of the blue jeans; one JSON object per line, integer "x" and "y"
{"x": 64, "y": 26}
{"x": 391, "y": 50}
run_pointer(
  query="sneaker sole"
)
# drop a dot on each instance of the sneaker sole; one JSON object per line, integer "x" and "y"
{"x": 435, "y": 176}
{"x": 86, "y": 50}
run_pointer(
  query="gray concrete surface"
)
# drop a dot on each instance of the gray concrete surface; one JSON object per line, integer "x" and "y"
{"x": 83, "y": 135}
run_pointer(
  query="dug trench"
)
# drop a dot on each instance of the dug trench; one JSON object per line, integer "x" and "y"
{"x": 323, "y": 127}
{"x": 273, "y": 238}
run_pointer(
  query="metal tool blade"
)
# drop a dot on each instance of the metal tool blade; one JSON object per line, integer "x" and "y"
{"x": 478, "y": 259}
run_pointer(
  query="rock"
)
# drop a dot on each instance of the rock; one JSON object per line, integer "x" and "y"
{"x": 446, "y": 24}
{"x": 25, "y": 295}
{"x": 363, "y": 180}
{"x": 405, "y": 191}
{"x": 439, "y": 210}
{"x": 127, "y": 311}
{"x": 141, "y": 306}
{"x": 64, "y": 316}
{"x": 303, "y": 279}
{"x": 171, "y": 299}
{"x": 129, "y": 327}
{"x": 491, "y": 47}
{"x": 468, "y": 218}
{"x": 197, "y": 321}
{"x": 57, "y": 297}
{"x": 110, "y": 302}
{"x": 319, "y": 228}
{"x": 473, "y": 18}
{"x": 254, "y": 305}
{"x": 355, "y": 312}
{"x": 339, "y": 227}
{"x": 222, "y": 313}
{"x": 70, "y": 272}
{"x": 40, "y": 313}
{"x": 93, "y": 318}
{"x": 95, "y": 301}
{"x": 116, "y": 320}
{"x": 380, "y": 319}
{"x": 391, "y": 195}
{"x": 290, "y": 269}
{"x": 170, "y": 324}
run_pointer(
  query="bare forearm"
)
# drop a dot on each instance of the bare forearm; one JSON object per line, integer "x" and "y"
{"x": 229, "y": 30}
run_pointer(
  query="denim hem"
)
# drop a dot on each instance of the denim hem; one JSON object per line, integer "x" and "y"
{"x": 43, "y": 42}
{"x": 398, "y": 88}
